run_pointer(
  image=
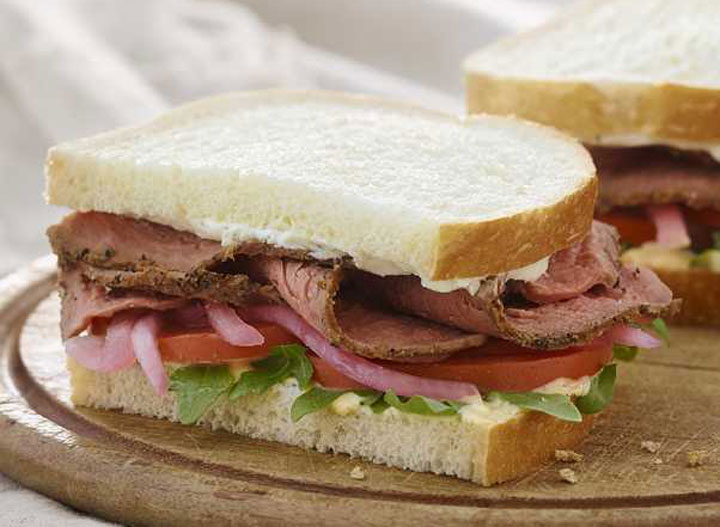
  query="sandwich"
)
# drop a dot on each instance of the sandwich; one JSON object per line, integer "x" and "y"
{"x": 638, "y": 84}
{"x": 350, "y": 275}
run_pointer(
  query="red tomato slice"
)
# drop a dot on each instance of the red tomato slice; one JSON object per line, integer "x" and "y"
{"x": 634, "y": 228}
{"x": 498, "y": 365}
{"x": 205, "y": 346}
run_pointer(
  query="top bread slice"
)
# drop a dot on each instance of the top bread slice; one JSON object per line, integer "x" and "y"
{"x": 617, "y": 72}
{"x": 402, "y": 190}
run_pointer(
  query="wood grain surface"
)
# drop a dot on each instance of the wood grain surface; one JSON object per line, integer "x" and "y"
{"x": 141, "y": 471}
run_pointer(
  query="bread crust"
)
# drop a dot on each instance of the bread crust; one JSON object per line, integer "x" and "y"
{"x": 485, "y": 452}
{"x": 491, "y": 247}
{"x": 662, "y": 112}
{"x": 528, "y": 442}
{"x": 457, "y": 250}
{"x": 699, "y": 290}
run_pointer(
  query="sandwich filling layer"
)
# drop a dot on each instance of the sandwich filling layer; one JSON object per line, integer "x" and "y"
{"x": 109, "y": 260}
{"x": 665, "y": 203}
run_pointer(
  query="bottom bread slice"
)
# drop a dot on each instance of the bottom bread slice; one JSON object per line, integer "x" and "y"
{"x": 485, "y": 450}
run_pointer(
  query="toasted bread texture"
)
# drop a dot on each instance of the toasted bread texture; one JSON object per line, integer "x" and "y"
{"x": 486, "y": 451}
{"x": 617, "y": 72}
{"x": 699, "y": 290}
{"x": 398, "y": 188}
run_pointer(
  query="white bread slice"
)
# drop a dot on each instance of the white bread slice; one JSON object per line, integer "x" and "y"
{"x": 399, "y": 188}
{"x": 617, "y": 72}
{"x": 484, "y": 451}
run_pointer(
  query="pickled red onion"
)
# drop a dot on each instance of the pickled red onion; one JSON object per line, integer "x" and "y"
{"x": 145, "y": 344}
{"x": 231, "y": 328}
{"x": 632, "y": 336}
{"x": 87, "y": 350}
{"x": 671, "y": 231}
{"x": 358, "y": 368}
{"x": 108, "y": 353}
{"x": 117, "y": 349}
{"x": 627, "y": 336}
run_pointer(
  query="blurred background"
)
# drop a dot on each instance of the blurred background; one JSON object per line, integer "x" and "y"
{"x": 74, "y": 67}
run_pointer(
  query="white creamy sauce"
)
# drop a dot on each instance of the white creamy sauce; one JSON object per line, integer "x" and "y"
{"x": 476, "y": 409}
{"x": 644, "y": 140}
{"x": 231, "y": 234}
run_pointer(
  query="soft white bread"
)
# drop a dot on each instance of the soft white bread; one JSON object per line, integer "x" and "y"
{"x": 398, "y": 188}
{"x": 620, "y": 72}
{"x": 485, "y": 451}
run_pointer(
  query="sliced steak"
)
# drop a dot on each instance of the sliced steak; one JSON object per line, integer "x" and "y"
{"x": 577, "y": 269}
{"x": 235, "y": 289}
{"x": 360, "y": 311}
{"x": 83, "y": 300}
{"x": 653, "y": 175}
{"x": 577, "y": 320}
{"x": 583, "y": 291}
{"x": 111, "y": 241}
{"x": 350, "y": 321}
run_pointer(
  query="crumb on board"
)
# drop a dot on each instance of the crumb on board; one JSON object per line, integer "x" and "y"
{"x": 657, "y": 461}
{"x": 650, "y": 446}
{"x": 568, "y": 475}
{"x": 357, "y": 473}
{"x": 568, "y": 456}
{"x": 696, "y": 458}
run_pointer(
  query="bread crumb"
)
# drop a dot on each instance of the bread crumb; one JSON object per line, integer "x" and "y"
{"x": 568, "y": 456}
{"x": 357, "y": 473}
{"x": 695, "y": 458}
{"x": 657, "y": 461}
{"x": 568, "y": 475}
{"x": 650, "y": 446}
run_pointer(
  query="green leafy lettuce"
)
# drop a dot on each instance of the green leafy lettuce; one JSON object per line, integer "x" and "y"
{"x": 282, "y": 363}
{"x": 601, "y": 391}
{"x": 557, "y": 405}
{"x": 315, "y": 399}
{"x": 417, "y": 404}
{"x": 197, "y": 388}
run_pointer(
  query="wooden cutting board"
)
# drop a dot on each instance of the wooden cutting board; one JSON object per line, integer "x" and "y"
{"x": 140, "y": 471}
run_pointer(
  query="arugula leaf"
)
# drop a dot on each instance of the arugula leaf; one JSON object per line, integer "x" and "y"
{"x": 283, "y": 362}
{"x": 317, "y": 398}
{"x": 661, "y": 330}
{"x": 300, "y": 366}
{"x": 379, "y": 406}
{"x": 601, "y": 391}
{"x": 557, "y": 405}
{"x": 625, "y": 353}
{"x": 197, "y": 388}
{"x": 417, "y": 404}
{"x": 311, "y": 401}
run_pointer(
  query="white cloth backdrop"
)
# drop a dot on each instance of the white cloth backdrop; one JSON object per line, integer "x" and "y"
{"x": 74, "y": 67}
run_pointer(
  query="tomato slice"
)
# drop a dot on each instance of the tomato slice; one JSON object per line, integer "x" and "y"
{"x": 497, "y": 365}
{"x": 329, "y": 377}
{"x": 707, "y": 217}
{"x": 205, "y": 346}
{"x": 635, "y": 228}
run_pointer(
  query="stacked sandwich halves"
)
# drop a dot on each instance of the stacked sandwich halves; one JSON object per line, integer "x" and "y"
{"x": 349, "y": 275}
{"x": 639, "y": 83}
